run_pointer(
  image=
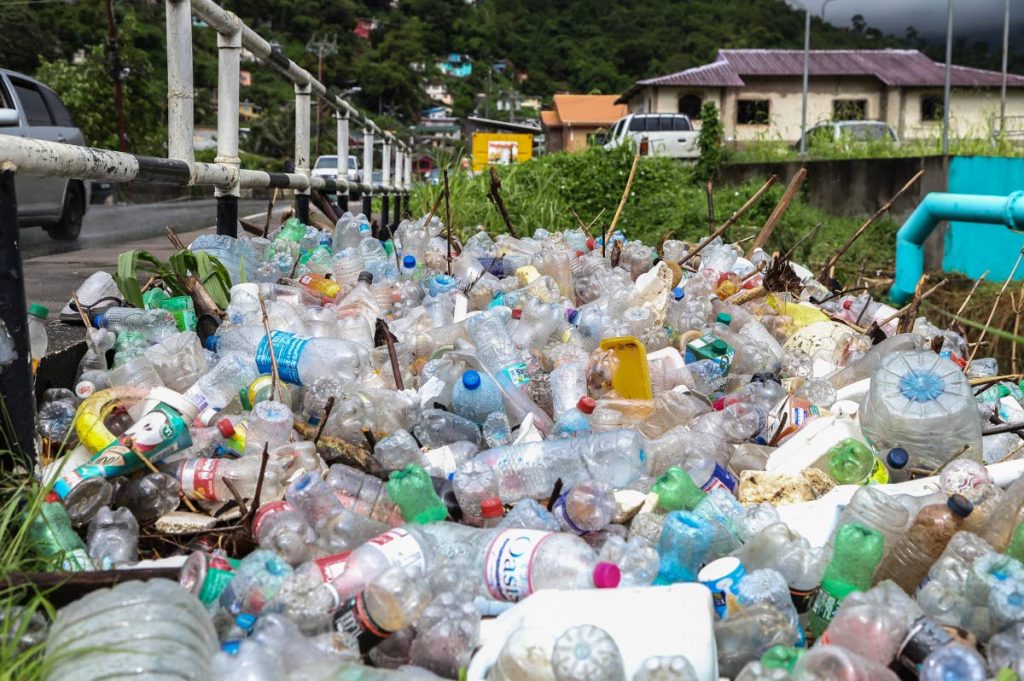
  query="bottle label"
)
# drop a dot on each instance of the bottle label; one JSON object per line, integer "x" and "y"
{"x": 508, "y": 562}
{"x": 267, "y": 510}
{"x": 560, "y": 511}
{"x": 331, "y": 567}
{"x": 925, "y": 635}
{"x": 802, "y": 599}
{"x": 720, "y": 478}
{"x": 353, "y": 619}
{"x": 825, "y": 605}
{"x": 196, "y": 396}
{"x": 879, "y": 474}
{"x": 517, "y": 374}
{"x": 197, "y": 478}
{"x": 401, "y": 549}
{"x": 287, "y": 349}
{"x": 441, "y": 461}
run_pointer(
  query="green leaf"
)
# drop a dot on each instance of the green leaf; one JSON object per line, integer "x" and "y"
{"x": 129, "y": 264}
{"x": 215, "y": 278}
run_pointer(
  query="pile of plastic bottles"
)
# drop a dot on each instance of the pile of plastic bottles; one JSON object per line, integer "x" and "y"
{"x": 533, "y": 461}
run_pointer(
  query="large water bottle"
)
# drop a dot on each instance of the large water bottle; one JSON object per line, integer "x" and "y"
{"x": 154, "y": 325}
{"x": 530, "y": 469}
{"x": 301, "y": 359}
{"x": 476, "y": 397}
{"x": 923, "y": 403}
{"x": 217, "y": 387}
{"x": 238, "y": 257}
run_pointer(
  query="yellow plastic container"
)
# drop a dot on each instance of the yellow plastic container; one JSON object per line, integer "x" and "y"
{"x": 632, "y": 379}
{"x": 802, "y": 313}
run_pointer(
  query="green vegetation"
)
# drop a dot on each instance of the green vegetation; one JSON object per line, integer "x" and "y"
{"x": 665, "y": 197}
{"x": 710, "y": 141}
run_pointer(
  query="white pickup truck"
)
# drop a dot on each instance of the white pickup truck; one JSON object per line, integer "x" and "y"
{"x": 670, "y": 135}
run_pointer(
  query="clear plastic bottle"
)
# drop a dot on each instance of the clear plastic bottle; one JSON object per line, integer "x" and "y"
{"x": 217, "y": 387}
{"x": 877, "y": 510}
{"x": 363, "y": 494}
{"x": 587, "y": 507}
{"x": 476, "y": 397}
{"x": 154, "y": 325}
{"x": 207, "y": 479}
{"x": 337, "y": 528}
{"x": 279, "y": 527}
{"x": 473, "y": 483}
{"x": 37, "y": 340}
{"x": 113, "y": 538}
{"x": 391, "y": 601}
{"x": 954, "y": 661}
{"x": 150, "y": 496}
{"x": 833, "y": 663}
{"x": 575, "y": 421}
{"x": 257, "y": 579}
{"x": 683, "y": 546}
{"x": 301, "y": 360}
{"x": 586, "y": 653}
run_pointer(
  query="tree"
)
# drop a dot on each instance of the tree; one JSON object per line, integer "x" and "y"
{"x": 710, "y": 142}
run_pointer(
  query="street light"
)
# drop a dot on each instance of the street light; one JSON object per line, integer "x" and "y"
{"x": 351, "y": 91}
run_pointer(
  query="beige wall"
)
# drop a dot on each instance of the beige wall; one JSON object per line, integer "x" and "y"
{"x": 899, "y": 107}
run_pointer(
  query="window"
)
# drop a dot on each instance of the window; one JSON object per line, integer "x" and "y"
{"x": 690, "y": 105}
{"x": 680, "y": 124}
{"x": 32, "y": 102}
{"x": 849, "y": 109}
{"x": 638, "y": 124}
{"x": 61, "y": 115}
{"x": 752, "y": 112}
{"x": 327, "y": 162}
{"x": 931, "y": 108}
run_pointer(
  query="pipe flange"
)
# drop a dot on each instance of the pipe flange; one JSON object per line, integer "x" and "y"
{"x": 1009, "y": 218}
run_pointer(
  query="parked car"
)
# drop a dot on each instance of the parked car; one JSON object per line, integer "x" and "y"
{"x": 853, "y": 131}
{"x": 30, "y": 109}
{"x": 670, "y": 135}
{"x": 327, "y": 166}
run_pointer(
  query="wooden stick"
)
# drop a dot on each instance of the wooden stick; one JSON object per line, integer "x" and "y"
{"x": 239, "y": 501}
{"x": 328, "y": 407}
{"x": 594, "y": 221}
{"x": 583, "y": 225}
{"x": 275, "y": 375}
{"x": 433, "y": 209}
{"x": 995, "y": 304}
{"x": 270, "y": 211}
{"x": 622, "y": 202}
{"x": 181, "y": 493}
{"x": 885, "y": 208}
{"x": 773, "y": 220}
{"x": 448, "y": 212}
{"x": 907, "y": 316}
{"x": 732, "y": 218}
{"x": 389, "y": 342}
{"x": 903, "y": 309}
{"x": 494, "y": 194}
{"x": 709, "y": 190}
{"x": 82, "y": 315}
{"x": 993, "y": 379}
{"x": 963, "y": 305}
{"x": 258, "y": 494}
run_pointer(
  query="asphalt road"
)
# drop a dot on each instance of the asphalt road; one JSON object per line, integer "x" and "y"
{"x": 113, "y": 225}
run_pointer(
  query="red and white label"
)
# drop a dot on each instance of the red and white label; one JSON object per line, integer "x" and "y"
{"x": 401, "y": 549}
{"x": 331, "y": 567}
{"x": 197, "y": 478}
{"x": 84, "y": 389}
{"x": 509, "y": 561}
{"x": 267, "y": 510}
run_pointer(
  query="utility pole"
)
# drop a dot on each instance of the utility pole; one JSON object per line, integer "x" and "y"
{"x": 1006, "y": 52}
{"x": 114, "y": 56}
{"x": 803, "y": 100}
{"x": 326, "y": 46}
{"x": 947, "y": 95}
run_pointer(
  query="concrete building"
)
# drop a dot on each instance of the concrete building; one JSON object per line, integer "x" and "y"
{"x": 758, "y": 93}
{"x": 573, "y": 118}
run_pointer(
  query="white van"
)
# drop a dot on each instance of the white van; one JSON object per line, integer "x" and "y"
{"x": 670, "y": 135}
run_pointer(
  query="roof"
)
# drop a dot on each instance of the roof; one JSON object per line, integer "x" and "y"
{"x": 477, "y": 123}
{"x": 583, "y": 110}
{"x": 895, "y": 68}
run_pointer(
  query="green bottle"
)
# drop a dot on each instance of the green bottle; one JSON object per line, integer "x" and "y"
{"x": 1016, "y": 547}
{"x": 293, "y": 230}
{"x": 413, "y": 492}
{"x": 52, "y": 536}
{"x": 858, "y": 550}
{"x": 677, "y": 491}
{"x": 851, "y": 462}
{"x": 781, "y": 657}
{"x": 183, "y": 310}
{"x": 152, "y": 298}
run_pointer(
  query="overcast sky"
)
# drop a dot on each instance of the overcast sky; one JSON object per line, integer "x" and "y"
{"x": 974, "y": 19}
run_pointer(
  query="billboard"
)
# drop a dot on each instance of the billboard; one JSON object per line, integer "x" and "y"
{"x": 500, "y": 148}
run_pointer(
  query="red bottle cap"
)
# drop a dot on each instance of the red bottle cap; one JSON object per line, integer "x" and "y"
{"x": 226, "y": 428}
{"x": 52, "y": 498}
{"x": 607, "y": 575}
{"x": 586, "y": 404}
{"x": 591, "y": 243}
{"x": 517, "y": 313}
{"x": 492, "y": 508}
{"x": 847, "y": 304}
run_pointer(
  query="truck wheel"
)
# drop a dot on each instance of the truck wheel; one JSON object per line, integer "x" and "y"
{"x": 70, "y": 224}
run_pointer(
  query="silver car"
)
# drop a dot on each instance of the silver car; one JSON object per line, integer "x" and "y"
{"x": 30, "y": 109}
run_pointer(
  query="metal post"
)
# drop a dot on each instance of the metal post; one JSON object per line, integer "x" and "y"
{"x": 399, "y": 188}
{"x": 17, "y": 421}
{"x": 368, "y": 173}
{"x": 1006, "y": 52}
{"x": 180, "y": 145}
{"x": 302, "y": 93}
{"x": 228, "y": 60}
{"x": 946, "y": 91}
{"x": 803, "y": 104}
{"x": 385, "y": 179}
{"x": 343, "y": 195}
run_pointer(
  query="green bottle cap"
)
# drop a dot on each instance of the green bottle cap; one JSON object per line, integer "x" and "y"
{"x": 724, "y": 318}
{"x": 38, "y": 311}
{"x": 719, "y": 347}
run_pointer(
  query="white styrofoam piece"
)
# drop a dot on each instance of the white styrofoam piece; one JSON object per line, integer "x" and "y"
{"x": 169, "y": 562}
{"x": 644, "y": 621}
{"x": 856, "y": 391}
{"x": 811, "y": 442}
{"x": 816, "y": 519}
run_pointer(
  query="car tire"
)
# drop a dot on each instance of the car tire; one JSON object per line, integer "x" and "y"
{"x": 70, "y": 224}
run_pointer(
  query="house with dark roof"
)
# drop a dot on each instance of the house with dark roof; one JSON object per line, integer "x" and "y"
{"x": 759, "y": 92}
{"x": 573, "y": 118}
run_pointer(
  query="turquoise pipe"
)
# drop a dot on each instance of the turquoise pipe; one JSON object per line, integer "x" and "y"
{"x": 938, "y": 207}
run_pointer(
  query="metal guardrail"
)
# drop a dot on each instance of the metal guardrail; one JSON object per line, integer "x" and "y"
{"x": 225, "y": 174}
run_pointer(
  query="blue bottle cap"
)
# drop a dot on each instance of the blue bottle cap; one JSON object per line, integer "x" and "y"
{"x": 245, "y": 621}
{"x": 897, "y": 458}
{"x": 960, "y": 505}
{"x": 231, "y": 647}
{"x": 471, "y": 380}
{"x": 211, "y": 343}
{"x": 678, "y": 293}
{"x": 409, "y": 262}
{"x": 97, "y": 321}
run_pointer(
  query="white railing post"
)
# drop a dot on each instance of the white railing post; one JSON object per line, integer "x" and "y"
{"x": 368, "y": 172}
{"x": 385, "y": 180}
{"x": 408, "y": 169}
{"x": 302, "y": 93}
{"x": 229, "y": 54}
{"x": 343, "y": 157}
{"x": 180, "y": 95}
